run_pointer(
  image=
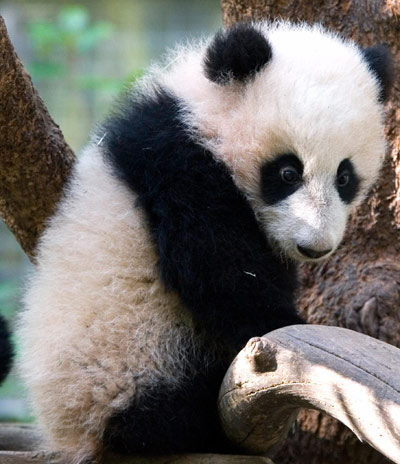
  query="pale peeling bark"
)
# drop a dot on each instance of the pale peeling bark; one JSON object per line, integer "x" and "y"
{"x": 359, "y": 287}
{"x": 352, "y": 377}
{"x": 35, "y": 160}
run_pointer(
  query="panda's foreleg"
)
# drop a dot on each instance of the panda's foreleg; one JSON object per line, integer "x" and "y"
{"x": 211, "y": 248}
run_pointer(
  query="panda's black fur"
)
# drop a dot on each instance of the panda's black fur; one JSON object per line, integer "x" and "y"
{"x": 6, "y": 349}
{"x": 220, "y": 230}
{"x": 211, "y": 251}
{"x": 237, "y": 54}
{"x": 220, "y": 263}
{"x": 379, "y": 60}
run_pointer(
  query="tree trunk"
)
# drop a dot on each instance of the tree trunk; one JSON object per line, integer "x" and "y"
{"x": 35, "y": 160}
{"x": 359, "y": 287}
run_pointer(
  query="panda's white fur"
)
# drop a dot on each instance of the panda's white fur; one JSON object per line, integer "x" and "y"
{"x": 99, "y": 327}
{"x": 99, "y": 324}
{"x": 321, "y": 102}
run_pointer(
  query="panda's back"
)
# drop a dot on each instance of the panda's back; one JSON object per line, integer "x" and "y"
{"x": 108, "y": 320}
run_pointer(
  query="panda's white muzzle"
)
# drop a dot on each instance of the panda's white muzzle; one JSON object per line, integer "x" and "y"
{"x": 306, "y": 229}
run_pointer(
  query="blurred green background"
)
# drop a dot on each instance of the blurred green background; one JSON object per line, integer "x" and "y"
{"x": 81, "y": 56}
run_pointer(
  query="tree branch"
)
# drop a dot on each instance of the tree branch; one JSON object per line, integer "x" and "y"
{"x": 19, "y": 443}
{"x": 35, "y": 160}
{"x": 350, "y": 376}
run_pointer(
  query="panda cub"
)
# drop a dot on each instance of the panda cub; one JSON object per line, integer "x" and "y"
{"x": 177, "y": 237}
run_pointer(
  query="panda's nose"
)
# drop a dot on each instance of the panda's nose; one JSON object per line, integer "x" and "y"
{"x": 313, "y": 254}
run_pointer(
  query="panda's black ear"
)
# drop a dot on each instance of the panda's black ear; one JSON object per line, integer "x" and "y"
{"x": 381, "y": 64}
{"x": 236, "y": 54}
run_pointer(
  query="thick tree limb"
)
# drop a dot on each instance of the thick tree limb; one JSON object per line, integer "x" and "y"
{"x": 35, "y": 160}
{"x": 359, "y": 287}
{"x": 24, "y": 457}
{"x": 20, "y": 441}
{"x": 350, "y": 376}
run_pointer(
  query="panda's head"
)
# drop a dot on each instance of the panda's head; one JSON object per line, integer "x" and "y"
{"x": 295, "y": 113}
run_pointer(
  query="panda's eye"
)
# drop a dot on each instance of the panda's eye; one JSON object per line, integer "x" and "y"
{"x": 281, "y": 177}
{"x": 290, "y": 175}
{"x": 343, "y": 178}
{"x": 347, "y": 181}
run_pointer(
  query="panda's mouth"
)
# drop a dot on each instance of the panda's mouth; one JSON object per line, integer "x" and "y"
{"x": 290, "y": 250}
{"x": 312, "y": 253}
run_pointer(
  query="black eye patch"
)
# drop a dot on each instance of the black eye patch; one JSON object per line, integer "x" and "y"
{"x": 347, "y": 182}
{"x": 280, "y": 178}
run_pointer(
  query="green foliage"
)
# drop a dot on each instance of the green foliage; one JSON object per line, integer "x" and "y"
{"x": 103, "y": 84}
{"x": 72, "y": 31}
{"x": 58, "y": 45}
{"x": 73, "y": 19}
{"x": 61, "y": 46}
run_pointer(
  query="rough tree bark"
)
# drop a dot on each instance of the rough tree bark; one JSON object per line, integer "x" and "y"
{"x": 35, "y": 160}
{"x": 358, "y": 287}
